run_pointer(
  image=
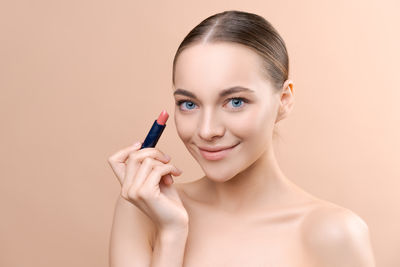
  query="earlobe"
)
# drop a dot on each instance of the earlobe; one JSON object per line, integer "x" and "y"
{"x": 281, "y": 115}
{"x": 281, "y": 112}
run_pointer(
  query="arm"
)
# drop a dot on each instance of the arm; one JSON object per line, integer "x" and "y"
{"x": 130, "y": 236}
{"x": 338, "y": 237}
{"x": 130, "y": 241}
{"x": 169, "y": 249}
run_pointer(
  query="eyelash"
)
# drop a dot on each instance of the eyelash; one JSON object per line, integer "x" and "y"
{"x": 180, "y": 102}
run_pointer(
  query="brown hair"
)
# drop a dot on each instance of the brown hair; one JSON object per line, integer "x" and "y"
{"x": 247, "y": 29}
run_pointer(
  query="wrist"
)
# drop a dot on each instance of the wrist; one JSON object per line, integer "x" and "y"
{"x": 173, "y": 234}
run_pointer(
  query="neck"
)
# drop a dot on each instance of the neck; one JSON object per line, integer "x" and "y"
{"x": 261, "y": 184}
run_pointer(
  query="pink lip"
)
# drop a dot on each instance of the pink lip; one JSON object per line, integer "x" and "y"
{"x": 215, "y": 153}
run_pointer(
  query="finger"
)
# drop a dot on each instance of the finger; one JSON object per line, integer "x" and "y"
{"x": 136, "y": 158}
{"x": 117, "y": 160}
{"x": 168, "y": 179}
{"x": 136, "y": 173}
{"x": 151, "y": 152}
{"x": 134, "y": 182}
{"x": 157, "y": 173}
{"x": 123, "y": 154}
{"x": 130, "y": 173}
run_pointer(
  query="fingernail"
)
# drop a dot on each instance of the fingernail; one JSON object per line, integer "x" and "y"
{"x": 167, "y": 157}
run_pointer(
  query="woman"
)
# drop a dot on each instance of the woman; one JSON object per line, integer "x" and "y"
{"x": 231, "y": 86}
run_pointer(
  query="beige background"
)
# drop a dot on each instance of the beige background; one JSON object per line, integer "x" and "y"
{"x": 82, "y": 79}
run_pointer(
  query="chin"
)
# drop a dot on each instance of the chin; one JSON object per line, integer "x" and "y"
{"x": 218, "y": 173}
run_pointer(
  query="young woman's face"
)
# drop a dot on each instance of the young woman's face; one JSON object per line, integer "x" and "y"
{"x": 208, "y": 115}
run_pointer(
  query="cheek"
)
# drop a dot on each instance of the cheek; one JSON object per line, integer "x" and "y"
{"x": 184, "y": 126}
{"x": 251, "y": 124}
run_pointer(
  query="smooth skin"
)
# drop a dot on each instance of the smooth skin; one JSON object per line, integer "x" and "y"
{"x": 147, "y": 205}
{"x": 245, "y": 211}
{"x": 140, "y": 181}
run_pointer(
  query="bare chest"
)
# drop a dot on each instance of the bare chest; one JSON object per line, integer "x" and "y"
{"x": 229, "y": 240}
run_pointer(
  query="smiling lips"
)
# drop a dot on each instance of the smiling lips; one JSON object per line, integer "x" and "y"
{"x": 216, "y": 152}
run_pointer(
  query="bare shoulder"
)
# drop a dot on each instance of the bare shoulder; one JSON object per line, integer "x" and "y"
{"x": 336, "y": 236}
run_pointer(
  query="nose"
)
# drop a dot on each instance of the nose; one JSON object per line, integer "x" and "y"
{"x": 210, "y": 126}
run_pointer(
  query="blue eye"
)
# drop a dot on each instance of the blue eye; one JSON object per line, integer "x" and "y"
{"x": 187, "y": 104}
{"x": 236, "y": 102}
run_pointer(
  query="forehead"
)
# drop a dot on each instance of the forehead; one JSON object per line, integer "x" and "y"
{"x": 218, "y": 66}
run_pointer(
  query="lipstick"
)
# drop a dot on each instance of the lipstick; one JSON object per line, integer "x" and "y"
{"x": 156, "y": 130}
{"x": 215, "y": 153}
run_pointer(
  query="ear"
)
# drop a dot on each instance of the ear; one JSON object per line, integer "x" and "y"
{"x": 286, "y": 100}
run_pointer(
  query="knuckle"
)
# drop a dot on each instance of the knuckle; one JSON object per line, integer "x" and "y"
{"x": 124, "y": 188}
{"x": 124, "y": 192}
{"x": 154, "y": 152}
{"x": 147, "y": 161}
{"x": 133, "y": 194}
{"x": 141, "y": 194}
{"x": 144, "y": 193}
{"x": 132, "y": 156}
{"x": 124, "y": 195}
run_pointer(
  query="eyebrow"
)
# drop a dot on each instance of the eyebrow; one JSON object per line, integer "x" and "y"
{"x": 225, "y": 92}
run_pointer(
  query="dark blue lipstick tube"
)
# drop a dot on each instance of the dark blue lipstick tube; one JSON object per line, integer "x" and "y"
{"x": 153, "y": 135}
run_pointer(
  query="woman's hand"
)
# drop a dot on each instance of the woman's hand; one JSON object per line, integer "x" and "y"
{"x": 140, "y": 173}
